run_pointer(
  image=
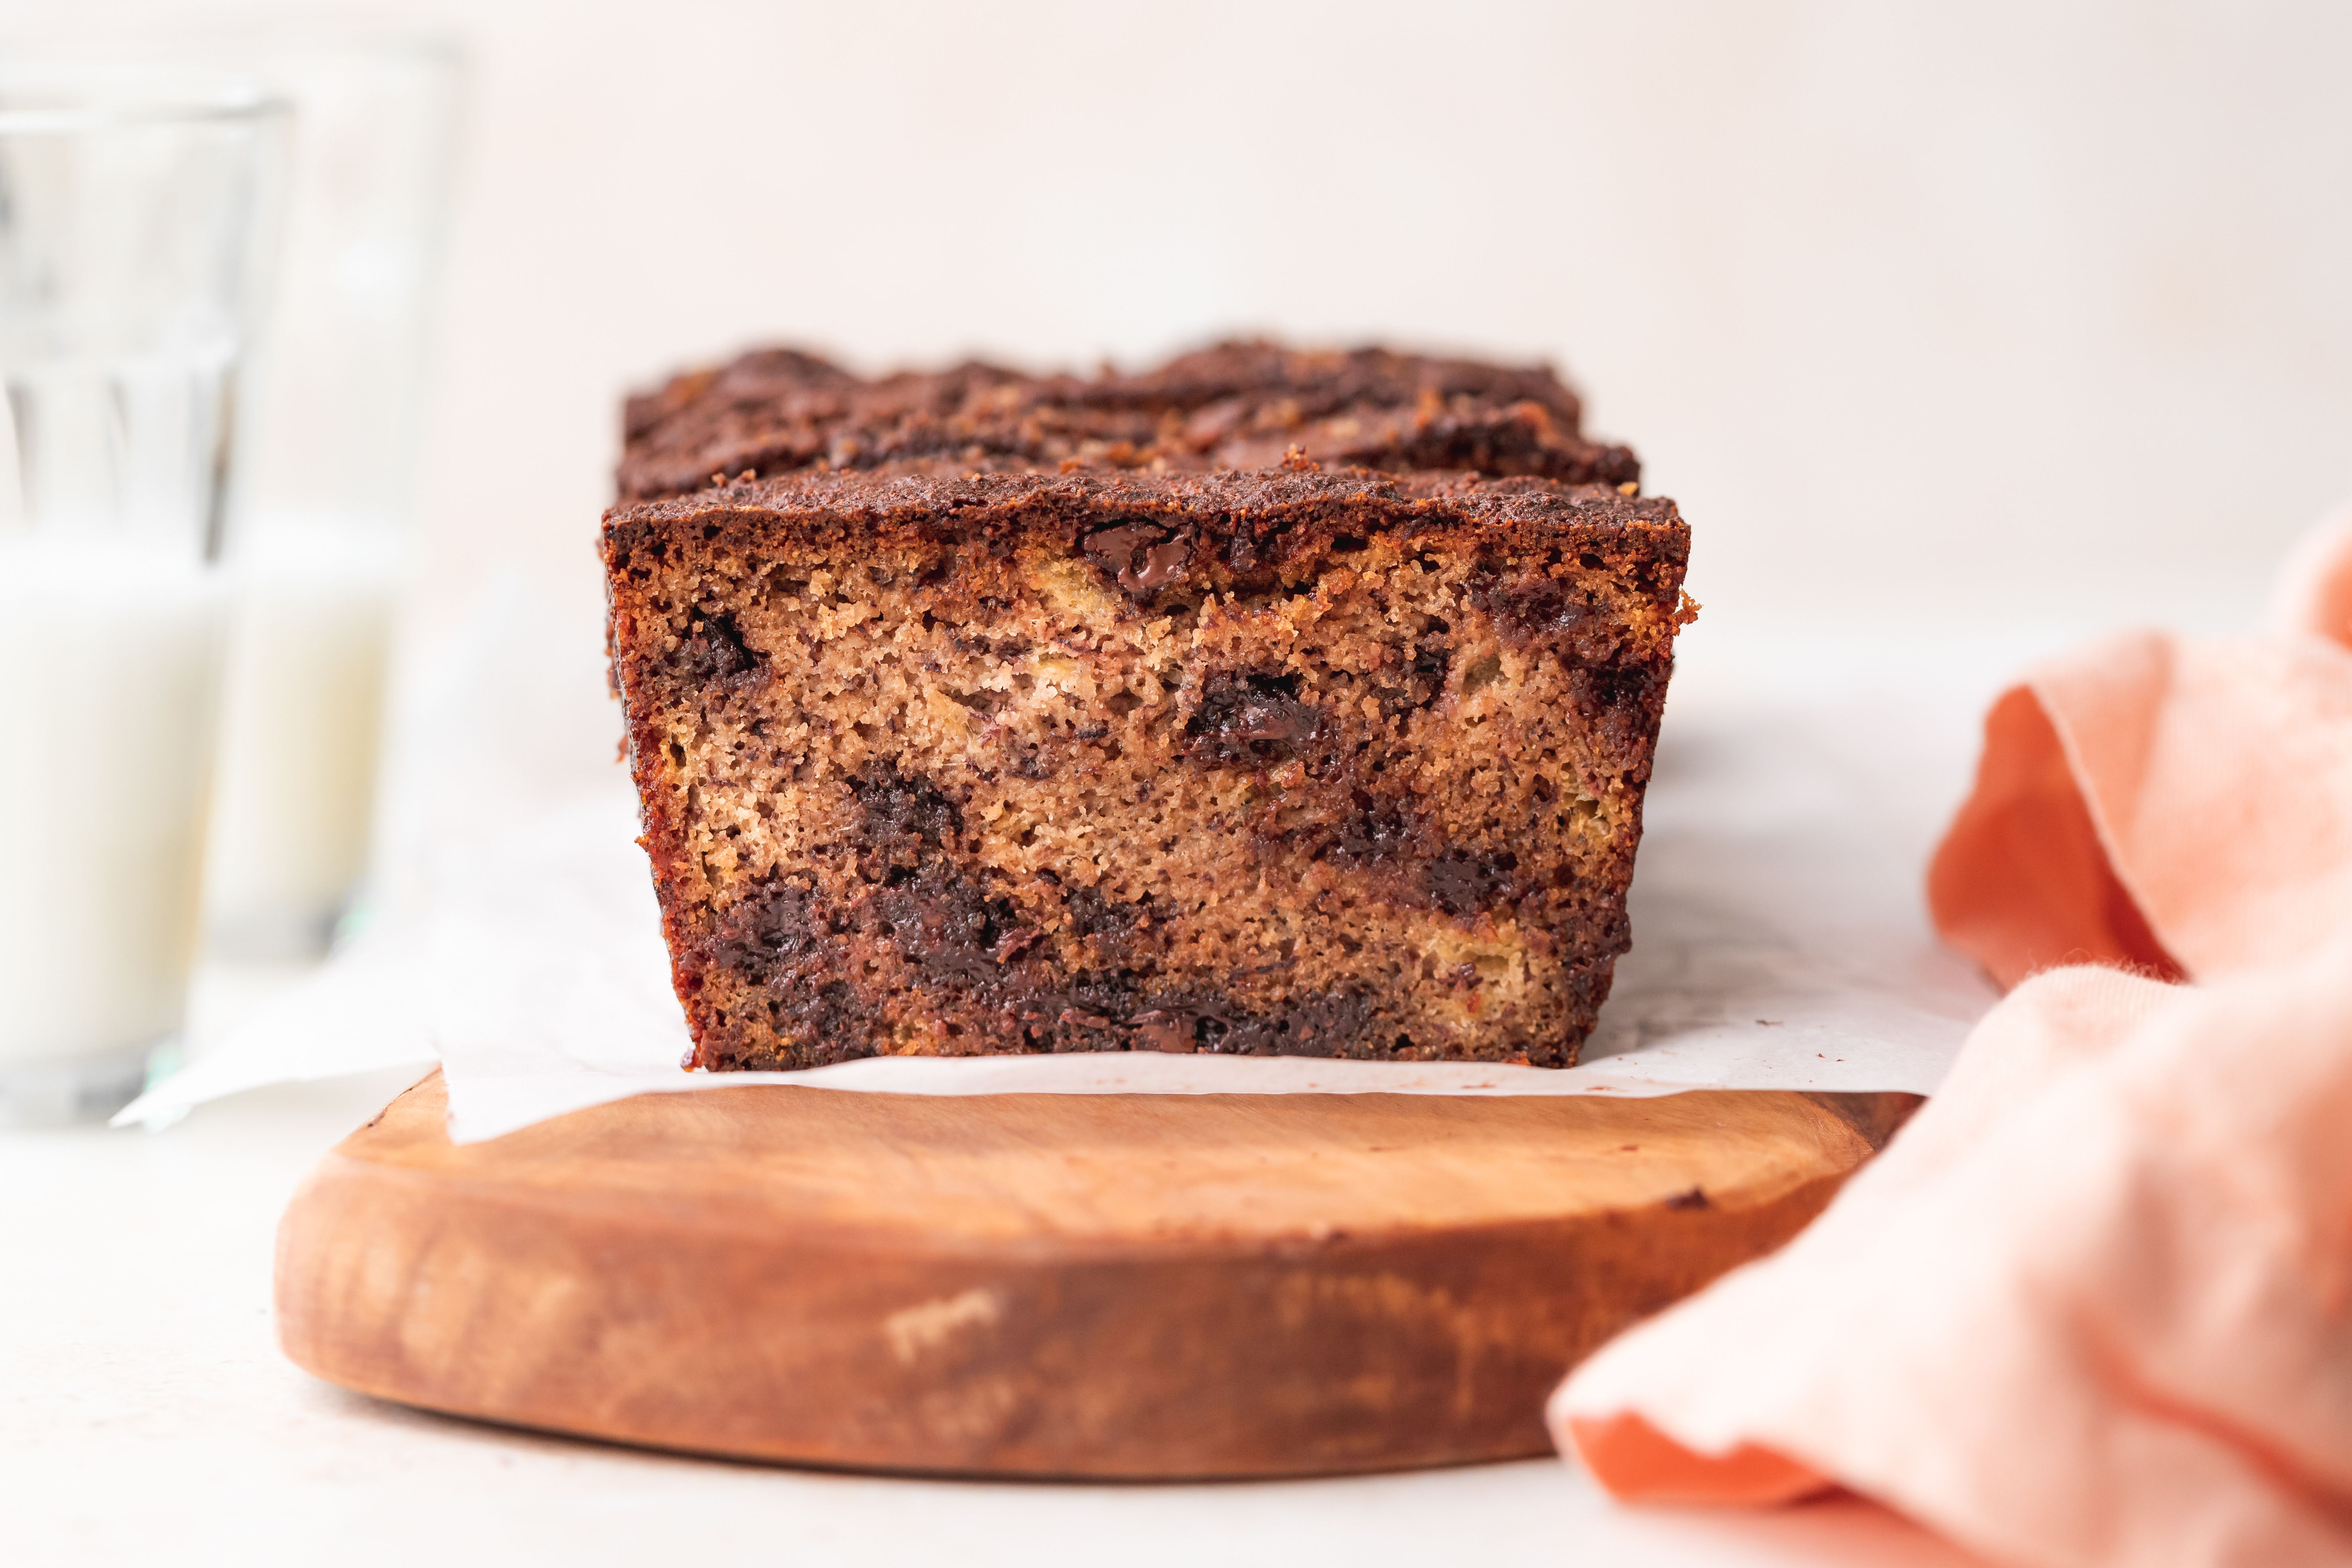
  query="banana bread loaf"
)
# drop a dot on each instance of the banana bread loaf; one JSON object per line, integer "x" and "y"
{"x": 1013, "y": 715}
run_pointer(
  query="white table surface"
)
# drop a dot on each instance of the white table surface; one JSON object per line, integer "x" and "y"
{"x": 146, "y": 1417}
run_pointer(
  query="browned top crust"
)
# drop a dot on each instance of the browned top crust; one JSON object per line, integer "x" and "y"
{"x": 1218, "y": 511}
{"x": 1232, "y": 405}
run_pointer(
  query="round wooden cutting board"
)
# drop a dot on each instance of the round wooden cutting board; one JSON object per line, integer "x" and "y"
{"x": 1104, "y": 1286}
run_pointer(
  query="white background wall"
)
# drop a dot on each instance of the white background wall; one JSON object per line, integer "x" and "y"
{"x": 1933, "y": 317}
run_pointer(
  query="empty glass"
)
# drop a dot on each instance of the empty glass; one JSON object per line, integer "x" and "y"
{"x": 136, "y": 208}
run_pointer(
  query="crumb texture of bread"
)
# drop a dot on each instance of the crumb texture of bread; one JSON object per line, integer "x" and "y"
{"x": 942, "y": 757}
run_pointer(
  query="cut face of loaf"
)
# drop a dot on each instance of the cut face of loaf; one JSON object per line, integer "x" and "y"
{"x": 1274, "y": 761}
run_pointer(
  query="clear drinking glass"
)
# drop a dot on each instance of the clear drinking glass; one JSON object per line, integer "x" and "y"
{"x": 319, "y": 549}
{"x": 136, "y": 213}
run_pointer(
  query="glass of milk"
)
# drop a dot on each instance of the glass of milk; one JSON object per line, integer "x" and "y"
{"x": 318, "y": 551}
{"x": 137, "y": 213}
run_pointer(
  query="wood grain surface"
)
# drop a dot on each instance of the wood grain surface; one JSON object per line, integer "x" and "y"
{"x": 1106, "y": 1286}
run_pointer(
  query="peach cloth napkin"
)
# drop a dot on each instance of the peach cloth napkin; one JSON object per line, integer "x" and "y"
{"x": 2093, "y": 1305}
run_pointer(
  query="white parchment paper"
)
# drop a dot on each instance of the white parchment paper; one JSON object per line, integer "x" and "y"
{"x": 1778, "y": 943}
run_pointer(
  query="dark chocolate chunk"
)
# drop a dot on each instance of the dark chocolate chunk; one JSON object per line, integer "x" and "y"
{"x": 1255, "y": 718}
